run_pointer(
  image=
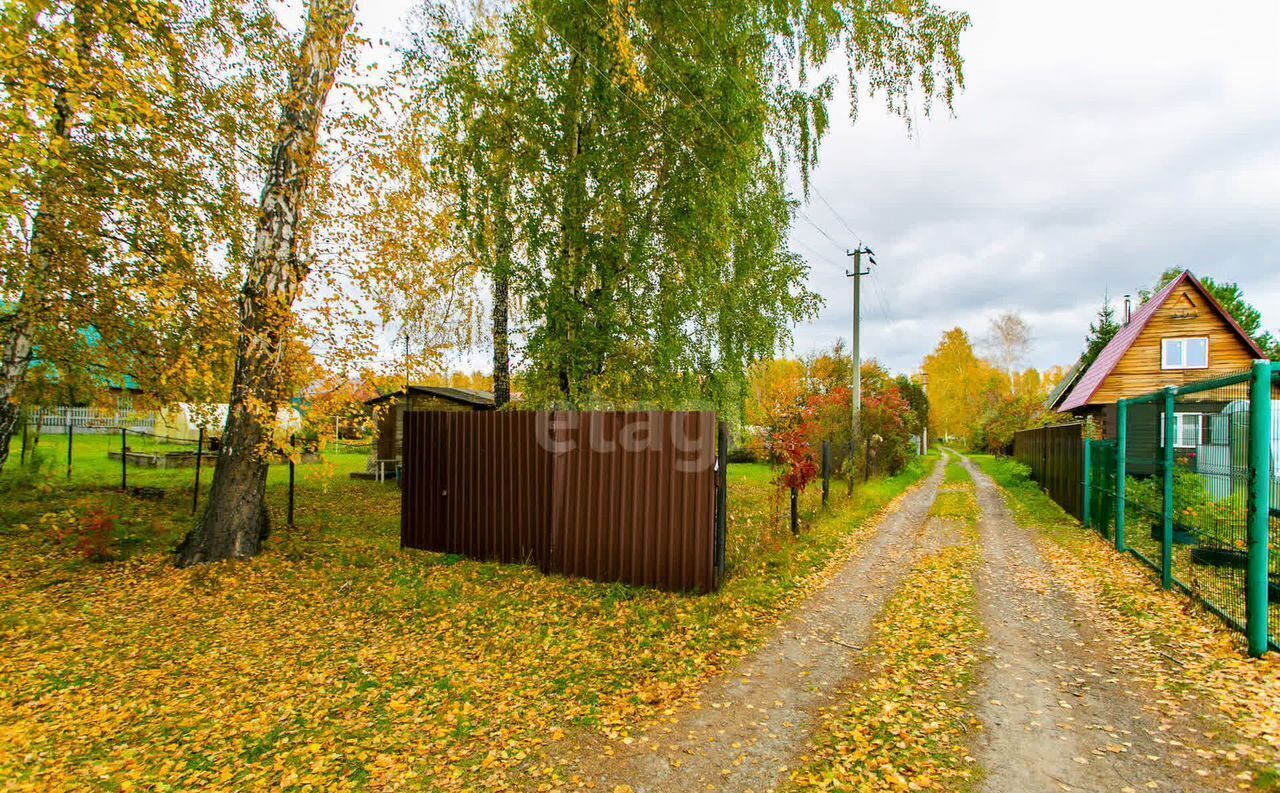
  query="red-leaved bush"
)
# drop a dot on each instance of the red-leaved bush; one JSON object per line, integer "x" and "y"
{"x": 790, "y": 446}
{"x": 97, "y": 536}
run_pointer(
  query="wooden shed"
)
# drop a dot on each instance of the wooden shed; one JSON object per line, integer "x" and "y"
{"x": 389, "y": 438}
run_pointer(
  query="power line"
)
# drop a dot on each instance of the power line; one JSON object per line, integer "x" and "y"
{"x": 821, "y": 231}
{"x": 815, "y": 255}
{"x": 838, "y": 216}
{"x": 884, "y": 308}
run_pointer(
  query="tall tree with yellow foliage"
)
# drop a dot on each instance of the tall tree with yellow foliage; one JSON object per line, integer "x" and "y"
{"x": 959, "y": 383}
{"x": 125, "y": 131}
{"x": 235, "y": 521}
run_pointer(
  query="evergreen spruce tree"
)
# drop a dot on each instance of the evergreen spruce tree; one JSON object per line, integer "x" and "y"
{"x": 1101, "y": 331}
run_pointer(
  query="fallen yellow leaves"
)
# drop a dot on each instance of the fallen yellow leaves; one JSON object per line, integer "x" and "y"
{"x": 908, "y": 726}
{"x": 1196, "y": 664}
{"x": 339, "y": 661}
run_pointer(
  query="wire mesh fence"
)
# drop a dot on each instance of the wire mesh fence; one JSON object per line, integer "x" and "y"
{"x": 150, "y": 465}
{"x": 1190, "y": 487}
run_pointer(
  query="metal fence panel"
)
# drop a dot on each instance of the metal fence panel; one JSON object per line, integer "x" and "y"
{"x": 611, "y": 496}
{"x": 1191, "y": 455}
{"x": 637, "y": 511}
{"x": 476, "y": 484}
{"x": 1102, "y": 487}
{"x": 1055, "y": 456}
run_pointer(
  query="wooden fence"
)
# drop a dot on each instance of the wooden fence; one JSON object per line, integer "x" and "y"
{"x": 1056, "y": 458}
{"x": 611, "y": 496}
{"x": 91, "y": 419}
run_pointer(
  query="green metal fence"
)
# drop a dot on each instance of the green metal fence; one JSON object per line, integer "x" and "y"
{"x": 1189, "y": 486}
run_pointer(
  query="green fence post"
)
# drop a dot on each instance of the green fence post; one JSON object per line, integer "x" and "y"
{"x": 1170, "y": 435}
{"x": 1255, "y": 602}
{"x": 1122, "y": 451}
{"x": 1088, "y": 482}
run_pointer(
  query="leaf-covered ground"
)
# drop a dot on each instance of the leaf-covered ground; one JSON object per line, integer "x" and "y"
{"x": 336, "y": 659}
{"x": 1197, "y": 665}
{"x": 910, "y": 720}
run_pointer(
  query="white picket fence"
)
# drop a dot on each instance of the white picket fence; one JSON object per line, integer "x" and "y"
{"x": 91, "y": 419}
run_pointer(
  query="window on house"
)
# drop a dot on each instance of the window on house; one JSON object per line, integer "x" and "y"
{"x": 1189, "y": 430}
{"x": 1216, "y": 430}
{"x": 1192, "y": 353}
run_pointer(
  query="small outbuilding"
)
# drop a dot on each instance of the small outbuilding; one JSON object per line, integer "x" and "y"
{"x": 389, "y": 439}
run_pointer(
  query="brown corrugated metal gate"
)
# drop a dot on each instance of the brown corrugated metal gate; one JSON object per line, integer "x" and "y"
{"x": 1056, "y": 458}
{"x": 612, "y": 496}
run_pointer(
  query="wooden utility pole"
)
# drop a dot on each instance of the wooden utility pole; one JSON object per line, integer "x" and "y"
{"x": 924, "y": 427}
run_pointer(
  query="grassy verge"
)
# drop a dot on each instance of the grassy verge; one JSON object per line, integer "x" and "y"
{"x": 908, "y": 727}
{"x": 1167, "y": 641}
{"x": 42, "y": 510}
{"x": 338, "y": 660}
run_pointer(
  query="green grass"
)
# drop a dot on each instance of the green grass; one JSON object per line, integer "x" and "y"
{"x": 335, "y": 658}
{"x": 1030, "y": 504}
{"x": 41, "y": 488}
{"x": 763, "y": 513}
{"x": 955, "y": 500}
{"x": 955, "y": 472}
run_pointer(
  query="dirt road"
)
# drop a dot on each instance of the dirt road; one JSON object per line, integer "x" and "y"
{"x": 750, "y": 724}
{"x": 1057, "y": 712}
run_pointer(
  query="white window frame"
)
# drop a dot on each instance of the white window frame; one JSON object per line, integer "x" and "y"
{"x": 1178, "y": 437}
{"x": 1182, "y": 340}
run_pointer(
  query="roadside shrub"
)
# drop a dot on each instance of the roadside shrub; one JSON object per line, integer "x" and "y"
{"x": 97, "y": 536}
{"x": 92, "y": 534}
{"x": 1017, "y": 471}
{"x": 744, "y": 453}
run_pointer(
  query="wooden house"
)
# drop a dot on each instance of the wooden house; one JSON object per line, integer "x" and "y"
{"x": 1181, "y": 335}
{"x": 388, "y": 440}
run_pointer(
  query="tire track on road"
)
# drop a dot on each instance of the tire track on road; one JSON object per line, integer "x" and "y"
{"x": 748, "y": 726}
{"x": 1057, "y": 713}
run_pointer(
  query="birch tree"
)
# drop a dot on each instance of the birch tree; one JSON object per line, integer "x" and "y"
{"x": 1009, "y": 339}
{"x": 622, "y": 171}
{"x": 124, "y": 132}
{"x": 235, "y": 522}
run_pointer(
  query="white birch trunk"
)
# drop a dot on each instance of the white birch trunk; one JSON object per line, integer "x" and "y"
{"x": 235, "y": 523}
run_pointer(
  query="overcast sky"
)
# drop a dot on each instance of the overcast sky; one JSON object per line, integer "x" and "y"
{"x": 1096, "y": 144}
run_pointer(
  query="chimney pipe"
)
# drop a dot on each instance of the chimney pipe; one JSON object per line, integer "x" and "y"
{"x": 1128, "y": 309}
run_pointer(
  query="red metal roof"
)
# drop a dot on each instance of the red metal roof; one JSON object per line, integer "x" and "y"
{"x": 1120, "y": 344}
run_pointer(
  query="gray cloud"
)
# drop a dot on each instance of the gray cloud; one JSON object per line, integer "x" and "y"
{"x": 1096, "y": 144}
{"x": 1091, "y": 150}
